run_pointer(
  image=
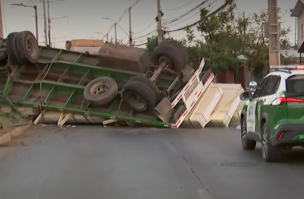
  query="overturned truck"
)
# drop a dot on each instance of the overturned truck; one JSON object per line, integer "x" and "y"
{"x": 118, "y": 84}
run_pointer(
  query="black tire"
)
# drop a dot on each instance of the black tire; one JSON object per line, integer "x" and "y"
{"x": 146, "y": 98}
{"x": 11, "y": 49}
{"x": 246, "y": 143}
{"x": 149, "y": 83}
{"x": 269, "y": 153}
{"x": 180, "y": 46}
{"x": 27, "y": 47}
{"x": 96, "y": 96}
{"x": 171, "y": 54}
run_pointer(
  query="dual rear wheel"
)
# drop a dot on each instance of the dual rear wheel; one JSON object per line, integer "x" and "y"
{"x": 140, "y": 94}
{"x": 22, "y": 48}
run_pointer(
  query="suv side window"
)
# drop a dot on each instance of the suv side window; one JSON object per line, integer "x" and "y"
{"x": 261, "y": 87}
{"x": 270, "y": 86}
{"x": 295, "y": 84}
{"x": 276, "y": 85}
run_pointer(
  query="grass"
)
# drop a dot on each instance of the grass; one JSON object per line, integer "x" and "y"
{"x": 9, "y": 121}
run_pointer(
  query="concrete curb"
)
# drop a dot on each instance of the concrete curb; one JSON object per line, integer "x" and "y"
{"x": 15, "y": 132}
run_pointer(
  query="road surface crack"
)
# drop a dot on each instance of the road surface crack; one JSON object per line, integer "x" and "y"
{"x": 192, "y": 170}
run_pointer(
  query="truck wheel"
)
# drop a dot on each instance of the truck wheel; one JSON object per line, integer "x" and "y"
{"x": 100, "y": 91}
{"x": 171, "y": 54}
{"x": 269, "y": 153}
{"x": 246, "y": 144}
{"x": 149, "y": 83}
{"x": 139, "y": 96}
{"x": 179, "y": 46}
{"x": 28, "y": 49}
{"x": 11, "y": 49}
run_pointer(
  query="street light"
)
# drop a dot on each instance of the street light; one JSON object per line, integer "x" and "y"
{"x": 115, "y": 24}
{"x": 36, "y": 15}
{"x": 107, "y": 35}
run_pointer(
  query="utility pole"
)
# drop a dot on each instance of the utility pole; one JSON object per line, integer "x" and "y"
{"x": 1, "y": 21}
{"x": 49, "y": 23}
{"x": 36, "y": 22}
{"x": 159, "y": 27}
{"x": 115, "y": 27}
{"x": 130, "y": 26}
{"x": 274, "y": 34}
{"x": 45, "y": 28}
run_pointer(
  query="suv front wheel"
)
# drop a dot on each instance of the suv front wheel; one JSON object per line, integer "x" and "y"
{"x": 247, "y": 144}
{"x": 270, "y": 153}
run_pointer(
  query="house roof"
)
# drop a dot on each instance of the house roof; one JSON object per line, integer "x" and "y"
{"x": 298, "y": 8}
{"x": 301, "y": 49}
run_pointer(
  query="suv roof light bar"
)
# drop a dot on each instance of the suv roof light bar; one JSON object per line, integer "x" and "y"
{"x": 287, "y": 67}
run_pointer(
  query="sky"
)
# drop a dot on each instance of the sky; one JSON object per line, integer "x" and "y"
{"x": 84, "y": 19}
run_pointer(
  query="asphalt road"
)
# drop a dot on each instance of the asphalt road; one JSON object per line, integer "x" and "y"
{"x": 103, "y": 163}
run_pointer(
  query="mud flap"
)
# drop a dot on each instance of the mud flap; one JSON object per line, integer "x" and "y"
{"x": 163, "y": 110}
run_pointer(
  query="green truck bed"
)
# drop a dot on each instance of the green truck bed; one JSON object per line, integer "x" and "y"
{"x": 57, "y": 79}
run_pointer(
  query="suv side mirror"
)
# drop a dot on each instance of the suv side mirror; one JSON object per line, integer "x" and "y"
{"x": 252, "y": 86}
{"x": 246, "y": 96}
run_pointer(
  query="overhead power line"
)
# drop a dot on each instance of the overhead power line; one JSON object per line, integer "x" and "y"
{"x": 173, "y": 20}
{"x": 180, "y": 6}
{"x": 122, "y": 15}
{"x": 199, "y": 21}
{"x": 146, "y": 34}
{"x": 185, "y": 14}
{"x": 146, "y": 27}
{"x": 209, "y": 5}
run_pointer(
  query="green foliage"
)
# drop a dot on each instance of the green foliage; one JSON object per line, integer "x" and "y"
{"x": 227, "y": 35}
{"x": 151, "y": 44}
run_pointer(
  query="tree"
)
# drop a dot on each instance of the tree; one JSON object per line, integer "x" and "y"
{"x": 227, "y": 35}
{"x": 218, "y": 44}
{"x": 152, "y": 43}
{"x": 257, "y": 45}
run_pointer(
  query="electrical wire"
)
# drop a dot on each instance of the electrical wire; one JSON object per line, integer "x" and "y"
{"x": 190, "y": 16}
{"x": 146, "y": 34}
{"x": 177, "y": 18}
{"x": 122, "y": 29}
{"x": 180, "y": 6}
{"x": 146, "y": 27}
{"x": 185, "y": 14}
{"x": 184, "y": 19}
{"x": 178, "y": 35}
{"x": 199, "y": 21}
{"x": 134, "y": 4}
{"x": 122, "y": 15}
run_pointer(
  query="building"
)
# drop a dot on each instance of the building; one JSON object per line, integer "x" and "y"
{"x": 84, "y": 45}
{"x": 298, "y": 12}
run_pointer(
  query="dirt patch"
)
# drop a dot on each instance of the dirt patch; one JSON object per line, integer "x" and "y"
{"x": 11, "y": 127}
{"x": 20, "y": 140}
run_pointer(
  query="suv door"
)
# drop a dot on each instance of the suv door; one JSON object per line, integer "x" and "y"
{"x": 266, "y": 97}
{"x": 251, "y": 108}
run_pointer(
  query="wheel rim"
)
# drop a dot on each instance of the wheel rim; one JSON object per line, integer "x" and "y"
{"x": 136, "y": 100}
{"x": 264, "y": 142}
{"x": 29, "y": 47}
{"x": 243, "y": 131}
{"x": 98, "y": 88}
